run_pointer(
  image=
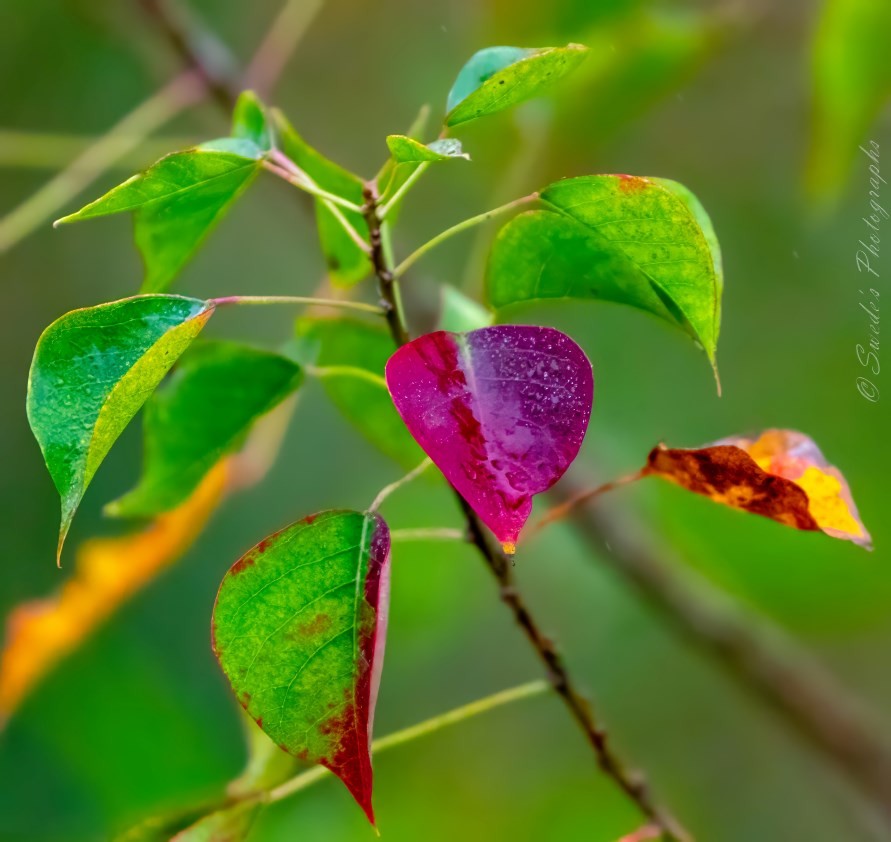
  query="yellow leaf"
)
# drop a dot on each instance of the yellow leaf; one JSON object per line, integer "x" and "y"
{"x": 107, "y": 572}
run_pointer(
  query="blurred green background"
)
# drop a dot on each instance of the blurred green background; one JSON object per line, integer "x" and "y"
{"x": 717, "y": 96}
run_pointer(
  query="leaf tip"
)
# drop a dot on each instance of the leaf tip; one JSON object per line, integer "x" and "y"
{"x": 509, "y": 547}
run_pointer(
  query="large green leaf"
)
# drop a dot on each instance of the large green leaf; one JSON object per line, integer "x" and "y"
{"x": 92, "y": 371}
{"x": 347, "y": 263}
{"x": 299, "y": 627}
{"x": 646, "y": 242}
{"x": 219, "y": 389}
{"x": 499, "y": 77}
{"x": 350, "y": 359}
{"x": 852, "y": 81}
{"x": 177, "y": 202}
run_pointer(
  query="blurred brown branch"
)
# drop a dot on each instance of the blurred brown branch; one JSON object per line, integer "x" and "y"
{"x": 786, "y": 677}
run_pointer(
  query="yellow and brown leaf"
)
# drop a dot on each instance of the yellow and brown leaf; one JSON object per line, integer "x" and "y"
{"x": 781, "y": 475}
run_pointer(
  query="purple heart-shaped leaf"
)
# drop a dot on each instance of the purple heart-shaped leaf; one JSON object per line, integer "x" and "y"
{"x": 502, "y": 411}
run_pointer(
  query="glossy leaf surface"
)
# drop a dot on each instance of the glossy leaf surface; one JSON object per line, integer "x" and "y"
{"x": 92, "y": 371}
{"x": 781, "y": 475}
{"x": 347, "y": 263}
{"x": 299, "y": 629}
{"x": 502, "y": 411}
{"x": 407, "y": 150}
{"x": 646, "y": 242}
{"x": 350, "y": 357}
{"x": 177, "y": 202}
{"x": 218, "y": 390}
{"x": 499, "y": 77}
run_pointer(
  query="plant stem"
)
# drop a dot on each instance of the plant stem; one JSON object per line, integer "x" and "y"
{"x": 422, "y": 729}
{"x": 283, "y": 166}
{"x": 124, "y": 136}
{"x": 387, "y": 490}
{"x": 297, "y": 299}
{"x": 409, "y": 261}
{"x": 403, "y": 189}
{"x": 346, "y": 371}
{"x": 632, "y": 784}
{"x": 560, "y": 511}
{"x": 425, "y": 534}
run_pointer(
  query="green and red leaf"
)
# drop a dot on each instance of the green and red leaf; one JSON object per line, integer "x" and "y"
{"x": 299, "y": 627}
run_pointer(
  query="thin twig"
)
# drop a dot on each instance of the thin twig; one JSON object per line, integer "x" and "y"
{"x": 422, "y": 729}
{"x": 387, "y": 490}
{"x": 186, "y": 89}
{"x": 418, "y": 171}
{"x": 559, "y": 512}
{"x": 409, "y": 261}
{"x": 339, "y": 303}
{"x": 428, "y": 534}
{"x": 631, "y": 783}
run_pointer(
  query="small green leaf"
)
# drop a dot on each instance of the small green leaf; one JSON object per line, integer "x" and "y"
{"x": 347, "y": 263}
{"x": 177, "y": 202}
{"x": 217, "y": 392}
{"x": 407, "y": 150}
{"x": 646, "y": 242}
{"x": 499, "y": 77}
{"x": 350, "y": 360}
{"x": 460, "y": 313}
{"x": 92, "y": 371}
{"x": 851, "y": 81}
{"x": 249, "y": 121}
{"x": 299, "y": 627}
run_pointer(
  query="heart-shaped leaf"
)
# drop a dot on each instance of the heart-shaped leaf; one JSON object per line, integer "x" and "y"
{"x": 177, "y": 202}
{"x": 781, "y": 475}
{"x": 499, "y": 77}
{"x": 349, "y": 359}
{"x": 299, "y": 627}
{"x": 502, "y": 411}
{"x": 219, "y": 389}
{"x": 92, "y": 371}
{"x": 407, "y": 150}
{"x": 347, "y": 263}
{"x": 646, "y": 242}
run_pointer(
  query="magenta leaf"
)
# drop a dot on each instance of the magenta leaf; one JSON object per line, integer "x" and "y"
{"x": 502, "y": 411}
{"x": 299, "y": 628}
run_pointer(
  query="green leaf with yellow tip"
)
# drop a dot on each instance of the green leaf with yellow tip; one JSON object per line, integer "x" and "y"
{"x": 500, "y": 77}
{"x": 92, "y": 371}
{"x": 177, "y": 202}
{"x": 203, "y": 412}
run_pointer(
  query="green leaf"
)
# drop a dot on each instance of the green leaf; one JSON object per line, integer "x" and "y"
{"x": 177, "y": 202}
{"x": 851, "y": 81}
{"x": 499, "y": 77}
{"x": 347, "y": 263}
{"x": 92, "y": 371}
{"x": 249, "y": 121}
{"x": 646, "y": 242}
{"x": 217, "y": 392}
{"x": 460, "y": 313}
{"x": 299, "y": 627}
{"x": 407, "y": 150}
{"x": 350, "y": 361}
